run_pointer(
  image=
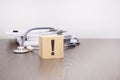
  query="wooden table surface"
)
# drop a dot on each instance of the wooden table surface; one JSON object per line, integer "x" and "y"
{"x": 94, "y": 59}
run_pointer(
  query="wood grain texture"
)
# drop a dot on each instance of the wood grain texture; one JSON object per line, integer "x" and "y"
{"x": 48, "y": 50}
{"x": 94, "y": 59}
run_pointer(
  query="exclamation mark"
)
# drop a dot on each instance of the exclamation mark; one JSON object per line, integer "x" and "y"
{"x": 52, "y": 46}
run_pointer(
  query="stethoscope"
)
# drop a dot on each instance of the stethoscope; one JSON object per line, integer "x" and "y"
{"x": 23, "y": 49}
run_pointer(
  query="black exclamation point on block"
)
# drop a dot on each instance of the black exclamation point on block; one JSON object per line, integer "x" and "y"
{"x": 52, "y": 45}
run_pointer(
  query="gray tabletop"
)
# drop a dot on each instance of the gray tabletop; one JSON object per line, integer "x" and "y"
{"x": 94, "y": 59}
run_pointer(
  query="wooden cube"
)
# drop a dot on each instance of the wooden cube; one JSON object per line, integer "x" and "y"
{"x": 51, "y": 46}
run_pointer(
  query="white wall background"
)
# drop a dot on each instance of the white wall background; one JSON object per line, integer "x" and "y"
{"x": 84, "y": 18}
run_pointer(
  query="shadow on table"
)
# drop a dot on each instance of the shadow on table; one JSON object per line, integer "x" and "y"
{"x": 51, "y": 69}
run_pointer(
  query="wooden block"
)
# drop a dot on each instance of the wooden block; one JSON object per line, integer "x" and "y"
{"x": 51, "y": 46}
